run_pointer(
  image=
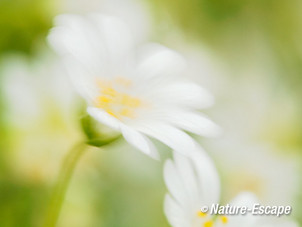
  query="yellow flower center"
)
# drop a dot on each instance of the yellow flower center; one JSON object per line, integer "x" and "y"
{"x": 211, "y": 221}
{"x": 224, "y": 219}
{"x": 117, "y": 104}
{"x": 208, "y": 223}
{"x": 201, "y": 214}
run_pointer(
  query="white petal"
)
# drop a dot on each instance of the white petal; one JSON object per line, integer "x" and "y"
{"x": 76, "y": 36}
{"x": 183, "y": 94}
{"x": 192, "y": 121}
{"x": 192, "y": 182}
{"x": 175, "y": 184}
{"x": 82, "y": 79}
{"x": 139, "y": 141}
{"x": 244, "y": 199}
{"x": 207, "y": 177}
{"x": 116, "y": 36}
{"x": 175, "y": 214}
{"x": 188, "y": 178}
{"x": 104, "y": 118}
{"x": 171, "y": 136}
{"x": 102, "y": 43}
{"x": 159, "y": 61}
{"x": 196, "y": 123}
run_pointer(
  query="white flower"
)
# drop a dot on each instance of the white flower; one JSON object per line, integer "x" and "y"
{"x": 135, "y": 13}
{"x": 136, "y": 92}
{"x": 193, "y": 182}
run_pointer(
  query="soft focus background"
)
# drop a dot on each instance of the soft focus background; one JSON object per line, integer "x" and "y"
{"x": 248, "y": 53}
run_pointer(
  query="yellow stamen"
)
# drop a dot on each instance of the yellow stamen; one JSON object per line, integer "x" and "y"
{"x": 126, "y": 112}
{"x": 224, "y": 219}
{"x": 104, "y": 99}
{"x": 109, "y": 91}
{"x": 127, "y": 100}
{"x": 208, "y": 224}
{"x": 201, "y": 214}
{"x": 111, "y": 113}
{"x": 116, "y": 103}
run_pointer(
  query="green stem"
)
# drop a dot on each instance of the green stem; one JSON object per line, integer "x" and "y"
{"x": 61, "y": 187}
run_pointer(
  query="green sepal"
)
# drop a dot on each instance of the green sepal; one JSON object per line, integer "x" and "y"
{"x": 97, "y": 135}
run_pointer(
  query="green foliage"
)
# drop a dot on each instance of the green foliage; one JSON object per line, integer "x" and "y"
{"x": 23, "y": 23}
{"x": 241, "y": 30}
{"x": 22, "y": 203}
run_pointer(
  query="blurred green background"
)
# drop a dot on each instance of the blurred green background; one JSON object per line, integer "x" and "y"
{"x": 254, "y": 50}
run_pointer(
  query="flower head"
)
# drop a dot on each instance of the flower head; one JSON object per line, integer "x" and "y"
{"x": 140, "y": 93}
{"x": 193, "y": 183}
